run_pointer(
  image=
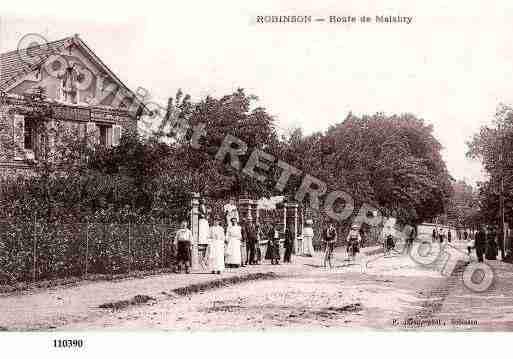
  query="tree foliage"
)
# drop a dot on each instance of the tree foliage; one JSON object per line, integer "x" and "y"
{"x": 393, "y": 163}
{"x": 493, "y": 147}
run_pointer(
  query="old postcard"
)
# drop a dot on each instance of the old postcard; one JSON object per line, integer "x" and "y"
{"x": 255, "y": 166}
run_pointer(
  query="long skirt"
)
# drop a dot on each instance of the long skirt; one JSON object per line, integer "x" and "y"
{"x": 243, "y": 254}
{"x": 233, "y": 252}
{"x": 491, "y": 251}
{"x": 288, "y": 253}
{"x": 183, "y": 252}
{"x": 258, "y": 252}
{"x": 203, "y": 231}
{"x": 307, "y": 247}
{"x": 273, "y": 251}
{"x": 217, "y": 255}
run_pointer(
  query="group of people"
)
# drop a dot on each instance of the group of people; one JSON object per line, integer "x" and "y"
{"x": 487, "y": 243}
{"x": 238, "y": 245}
{"x": 233, "y": 247}
{"x": 442, "y": 235}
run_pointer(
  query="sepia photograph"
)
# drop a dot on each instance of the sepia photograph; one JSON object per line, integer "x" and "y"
{"x": 227, "y": 168}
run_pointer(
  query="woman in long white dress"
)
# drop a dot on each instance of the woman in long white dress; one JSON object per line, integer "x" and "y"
{"x": 233, "y": 248}
{"x": 308, "y": 234}
{"x": 217, "y": 238}
{"x": 203, "y": 227}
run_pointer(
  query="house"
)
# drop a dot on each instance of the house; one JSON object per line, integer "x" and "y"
{"x": 80, "y": 92}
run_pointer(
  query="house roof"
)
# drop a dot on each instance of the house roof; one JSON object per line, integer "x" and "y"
{"x": 13, "y": 66}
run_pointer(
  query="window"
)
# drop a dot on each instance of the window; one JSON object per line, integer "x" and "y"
{"x": 29, "y": 135}
{"x": 109, "y": 135}
{"x": 104, "y": 130}
{"x": 25, "y": 139}
{"x": 116, "y": 135}
{"x": 105, "y": 135}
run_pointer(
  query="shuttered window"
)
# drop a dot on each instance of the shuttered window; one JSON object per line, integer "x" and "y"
{"x": 116, "y": 135}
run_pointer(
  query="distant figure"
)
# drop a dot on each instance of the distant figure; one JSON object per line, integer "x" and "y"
{"x": 203, "y": 232}
{"x": 470, "y": 246}
{"x": 273, "y": 245}
{"x": 465, "y": 235}
{"x": 217, "y": 244}
{"x": 441, "y": 235}
{"x": 480, "y": 243}
{"x": 251, "y": 243}
{"x": 288, "y": 245}
{"x": 233, "y": 237}
{"x": 434, "y": 235}
{"x": 353, "y": 241}
{"x": 243, "y": 240}
{"x": 388, "y": 238}
{"x": 389, "y": 243}
{"x": 329, "y": 237}
{"x": 449, "y": 235}
{"x": 308, "y": 235}
{"x": 500, "y": 242}
{"x": 411, "y": 238}
{"x": 183, "y": 241}
{"x": 258, "y": 247}
{"x": 491, "y": 245}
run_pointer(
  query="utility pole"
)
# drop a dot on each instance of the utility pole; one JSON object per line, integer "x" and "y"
{"x": 501, "y": 190}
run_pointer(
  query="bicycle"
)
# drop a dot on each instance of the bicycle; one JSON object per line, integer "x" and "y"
{"x": 352, "y": 249}
{"x": 328, "y": 254}
{"x": 388, "y": 245}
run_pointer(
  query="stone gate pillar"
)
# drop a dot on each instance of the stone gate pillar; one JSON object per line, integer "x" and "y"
{"x": 195, "y": 230}
{"x": 245, "y": 207}
{"x": 292, "y": 221}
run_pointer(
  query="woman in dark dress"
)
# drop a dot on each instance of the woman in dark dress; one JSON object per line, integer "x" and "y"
{"x": 273, "y": 245}
{"x": 491, "y": 246}
{"x": 288, "y": 245}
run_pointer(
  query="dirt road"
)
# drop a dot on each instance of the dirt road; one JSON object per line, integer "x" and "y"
{"x": 377, "y": 295}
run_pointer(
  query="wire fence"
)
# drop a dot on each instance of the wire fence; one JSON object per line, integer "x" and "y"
{"x": 34, "y": 251}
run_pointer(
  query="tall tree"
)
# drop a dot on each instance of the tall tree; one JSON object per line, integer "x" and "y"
{"x": 493, "y": 146}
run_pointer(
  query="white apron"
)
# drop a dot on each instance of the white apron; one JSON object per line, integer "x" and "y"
{"x": 233, "y": 253}
{"x": 308, "y": 249}
{"x": 203, "y": 232}
{"x": 217, "y": 248}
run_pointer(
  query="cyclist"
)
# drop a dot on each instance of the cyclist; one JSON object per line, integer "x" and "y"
{"x": 388, "y": 239}
{"x": 330, "y": 238}
{"x": 353, "y": 241}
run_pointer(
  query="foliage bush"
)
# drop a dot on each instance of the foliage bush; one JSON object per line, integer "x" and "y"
{"x": 69, "y": 249}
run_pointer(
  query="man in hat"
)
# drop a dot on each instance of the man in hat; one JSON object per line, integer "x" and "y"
{"x": 251, "y": 243}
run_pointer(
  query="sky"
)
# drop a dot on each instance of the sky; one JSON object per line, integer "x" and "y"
{"x": 451, "y": 66}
